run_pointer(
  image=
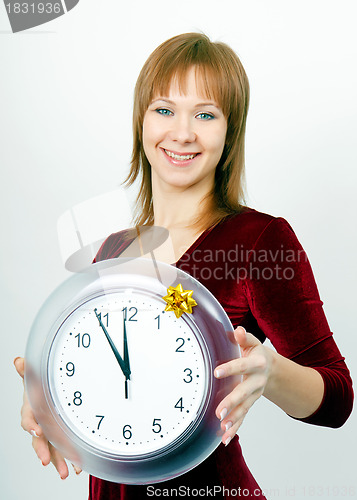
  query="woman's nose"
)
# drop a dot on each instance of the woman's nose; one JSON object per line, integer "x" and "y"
{"x": 182, "y": 130}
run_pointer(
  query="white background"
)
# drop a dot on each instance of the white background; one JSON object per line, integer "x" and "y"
{"x": 65, "y": 129}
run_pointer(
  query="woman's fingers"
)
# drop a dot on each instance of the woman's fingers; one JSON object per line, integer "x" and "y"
{"x": 42, "y": 450}
{"x": 59, "y": 462}
{"x": 242, "y": 366}
{"x": 254, "y": 366}
{"x": 20, "y": 366}
{"x": 28, "y": 421}
{"x": 234, "y": 419}
{"x": 252, "y": 386}
{"x": 48, "y": 453}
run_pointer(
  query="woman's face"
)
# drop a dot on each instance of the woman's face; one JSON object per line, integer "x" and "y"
{"x": 183, "y": 138}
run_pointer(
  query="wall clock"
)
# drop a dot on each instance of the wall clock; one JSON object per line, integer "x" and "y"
{"x": 119, "y": 370}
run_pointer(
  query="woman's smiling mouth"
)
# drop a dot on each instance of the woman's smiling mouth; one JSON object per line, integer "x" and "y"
{"x": 180, "y": 157}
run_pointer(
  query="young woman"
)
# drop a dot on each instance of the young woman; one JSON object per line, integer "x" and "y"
{"x": 190, "y": 110}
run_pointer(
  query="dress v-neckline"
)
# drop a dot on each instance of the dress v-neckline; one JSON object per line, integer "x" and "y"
{"x": 198, "y": 241}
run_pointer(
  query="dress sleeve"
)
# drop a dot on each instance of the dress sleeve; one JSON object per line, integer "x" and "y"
{"x": 283, "y": 297}
{"x": 113, "y": 246}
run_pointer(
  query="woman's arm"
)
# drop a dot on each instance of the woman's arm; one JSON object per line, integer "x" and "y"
{"x": 296, "y": 389}
{"x": 307, "y": 376}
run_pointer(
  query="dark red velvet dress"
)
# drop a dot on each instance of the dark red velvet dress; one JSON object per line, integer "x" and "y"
{"x": 256, "y": 268}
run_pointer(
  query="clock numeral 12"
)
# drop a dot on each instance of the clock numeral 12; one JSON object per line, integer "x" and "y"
{"x": 131, "y": 318}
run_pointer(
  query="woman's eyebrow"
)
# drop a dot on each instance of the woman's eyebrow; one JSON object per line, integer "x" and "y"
{"x": 199, "y": 105}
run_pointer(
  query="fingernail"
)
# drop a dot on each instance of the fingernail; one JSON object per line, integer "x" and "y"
{"x": 228, "y": 425}
{"x": 18, "y": 357}
{"x": 227, "y": 441}
{"x": 245, "y": 331}
{"x": 219, "y": 373}
{"x": 223, "y": 413}
{"x": 33, "y": 433}
{"x": 77, "y": 470}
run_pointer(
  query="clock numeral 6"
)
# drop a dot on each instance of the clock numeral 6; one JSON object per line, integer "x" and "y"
{"x": 179, "y": 404}
{"x": 83, "y": 340}
{"x": 77, "y": 400}
{"x": 157, "y": 425}
{"x": 127, "y": 434}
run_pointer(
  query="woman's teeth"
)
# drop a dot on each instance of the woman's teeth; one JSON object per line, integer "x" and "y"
{"x": 180, "y": 157}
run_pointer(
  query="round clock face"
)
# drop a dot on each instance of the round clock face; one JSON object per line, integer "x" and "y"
{"x": 126, "y": 376}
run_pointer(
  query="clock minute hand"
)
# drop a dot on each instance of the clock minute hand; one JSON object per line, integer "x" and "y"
{"x": 126, "y": 351}
{"x": 122, "y": 365}
{"x": 126, "y": 357}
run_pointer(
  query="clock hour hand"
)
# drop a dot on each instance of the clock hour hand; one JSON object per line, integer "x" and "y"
{"x": 122, "y": 364}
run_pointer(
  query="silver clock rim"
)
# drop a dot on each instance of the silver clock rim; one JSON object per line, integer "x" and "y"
{"x": 213, "y": 321}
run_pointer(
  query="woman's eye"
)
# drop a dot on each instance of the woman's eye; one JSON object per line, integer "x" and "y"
{"x": 164, "y": 111}
{"x": 205, "y": 116}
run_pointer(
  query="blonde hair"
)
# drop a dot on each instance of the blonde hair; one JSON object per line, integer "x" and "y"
{"x": 221, "y": 77}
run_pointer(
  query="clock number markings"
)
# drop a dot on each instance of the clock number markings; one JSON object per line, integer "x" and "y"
{"x": 104, "y": 316}
{"x": 158, "y": 321}
{"x": 157, "y": 425}
{"x": 179, "y": 347}
{"x": 127, "y": 434}
{"x": 179, "y": 404}
{"x": 100, "y": 420}
{"x": 70, "y": 369}
{"x": 83, "y": 340}
{"x": 77, "y": 398}
{"x": 189, "y": 375}
{"x": 131, "y": 318}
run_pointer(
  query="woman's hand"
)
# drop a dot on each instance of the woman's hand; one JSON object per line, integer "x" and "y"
{"x": 255, "y": 365}
{"x": 44, "y": 450}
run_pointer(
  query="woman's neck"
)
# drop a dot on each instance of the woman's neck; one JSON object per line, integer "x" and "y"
{"x": 177, "y": 209}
